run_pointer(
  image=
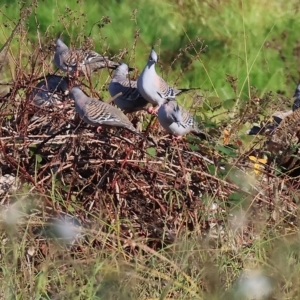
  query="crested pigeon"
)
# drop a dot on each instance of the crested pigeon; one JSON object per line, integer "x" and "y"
{"x": 130, "y": 100}
{"x": 177, "y": 121}
{"x": 50, "y": 95}
{"x": 97, "y": 113}
{"x": 286, "y": 133}
{"x": 296, "y": 103}
{"x": 80, "y": 61}
{"x": 51, "y": 90}
{"x": 153, "y": 88}
{"x": 267, "y": 129}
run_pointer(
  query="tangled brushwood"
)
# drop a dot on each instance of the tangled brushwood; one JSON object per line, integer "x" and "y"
{"x": 56, "y": 167}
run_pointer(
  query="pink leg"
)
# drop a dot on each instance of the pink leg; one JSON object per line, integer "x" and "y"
{"x": 155, "y": 111}
{"x": 176, "y": 138}
{"x": 76, "y": 74}
{"x": 152, "y": 111}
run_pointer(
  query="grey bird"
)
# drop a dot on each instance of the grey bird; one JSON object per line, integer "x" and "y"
{"x": 177, "y": 121}
{"x": 153, "y": 88}
{"x": 286, "y": 133}
{"x": 130, "y": 100}
{"x": 50, "y": 91}
{"x": 79, "y": 61}
{"x": 97, "y": 113}
{"x": 296, "y": 103}
{"x": 269, "y": 128}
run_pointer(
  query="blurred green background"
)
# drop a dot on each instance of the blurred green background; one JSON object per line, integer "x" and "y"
{"x": 255, "y": 43}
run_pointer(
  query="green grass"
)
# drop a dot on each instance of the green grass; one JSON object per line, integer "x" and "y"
{"x": 244, "y": 39}
{"x": 238, "y": 50}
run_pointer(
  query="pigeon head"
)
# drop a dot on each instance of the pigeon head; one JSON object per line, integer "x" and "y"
{"x": 153, "y": 56}
{"x": 297, "y": 91}
{"x": 60, "y": 46}
{"x": 174, "y": 110}
{"x": 122, "y": 69}
{"x": 76, "y": 92}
